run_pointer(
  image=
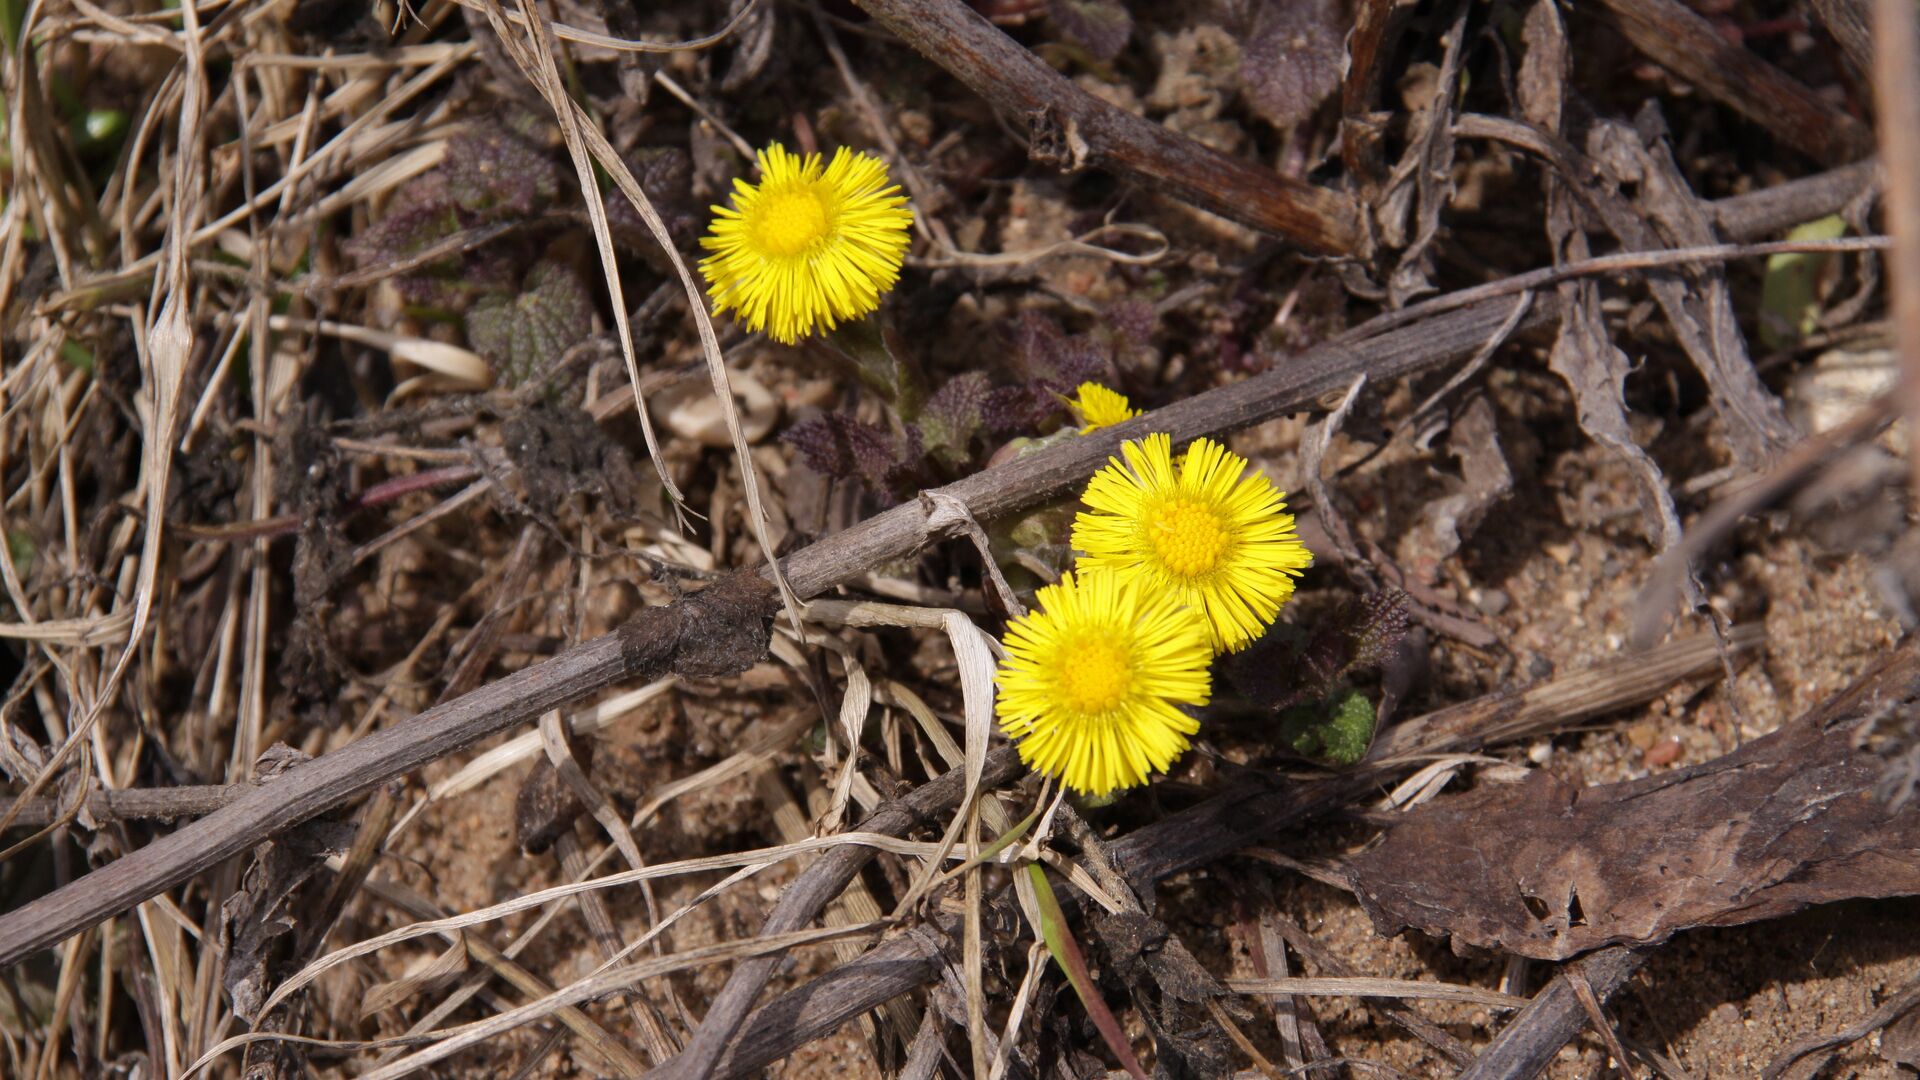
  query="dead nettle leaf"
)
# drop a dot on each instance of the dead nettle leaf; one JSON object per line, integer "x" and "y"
{"x": 495, "y": 174}
{"x": 665, "y": 173}
{"x": 843, "y": 447}
{"x": 1447, "y": 522}
{"x": 952, "y": 418}
{"x": 254, "y": 919}
{"x": 482, "y": 179}
{"x": 1548, "y": 871}
{"x": 1048, "y": 363}
{"x": 1101, "y": 27}
{"x": 1294, "y": 55}
{"x": 522, "y": 335}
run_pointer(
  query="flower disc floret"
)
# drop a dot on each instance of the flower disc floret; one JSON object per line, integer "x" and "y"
{"x": 1100, "y": 407}
{"x": 1201, "y": 528}
{"x": 1093, "y": 681}
{"x": 808, "y": 246}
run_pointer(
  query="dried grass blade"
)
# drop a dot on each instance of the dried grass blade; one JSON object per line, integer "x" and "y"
{"x": 582, "y": 137}
{"x": 1376, "y": 988}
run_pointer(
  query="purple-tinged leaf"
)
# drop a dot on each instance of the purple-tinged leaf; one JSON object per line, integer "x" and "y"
{"x": 952, "y": 417}
{"x": 1101, "y": 27}
{"x": 1293, "y": 59}
{"x": 493, "y": 175}
{"x": 524, "y": 334}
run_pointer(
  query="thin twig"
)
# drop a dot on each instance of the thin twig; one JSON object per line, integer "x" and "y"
{"x": 1073, "y": 129}
{"x": 1688, "y": 45}
{"x": 1896, "y": 83}
{"x": 1528, "y": 1042}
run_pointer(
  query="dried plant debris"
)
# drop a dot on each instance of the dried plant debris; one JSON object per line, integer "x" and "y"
{"x": 1171, "y": 989}
{"x": 256, "y": 920}
{"x": 1450, "y": 520}
{"x": 720, "y": 630}
{"x": 558, "y": 453}
{"x": 1549, "y": 870}
{"x": 547, "y": 803}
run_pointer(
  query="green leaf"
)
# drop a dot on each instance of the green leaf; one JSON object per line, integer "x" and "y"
{"x": 865, "y": 347}
{"x": 1789, "y": 294}
{"x": 1333, "y": 733}
{"x": 1066, "y": 952}
{"x": 22, "y": 551}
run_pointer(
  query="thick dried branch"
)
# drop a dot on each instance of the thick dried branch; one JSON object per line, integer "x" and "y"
{"x": 330, "y": 780}
{"x": 1073, "y": 129}
{"x": 353, "y": 770}
{"x": 1688, "y": 45}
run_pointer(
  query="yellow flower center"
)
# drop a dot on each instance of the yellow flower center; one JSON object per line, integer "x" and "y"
{"x": 1189, "y": 538}
{"x": 1095, "y": 673}
{"x": 791, "y": 222}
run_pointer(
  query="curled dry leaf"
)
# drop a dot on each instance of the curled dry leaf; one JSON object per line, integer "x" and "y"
{"x": 1547, "y": 870}
{"x": 1448, "y": 521}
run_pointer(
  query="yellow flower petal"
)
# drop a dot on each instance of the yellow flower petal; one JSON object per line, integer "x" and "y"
{"x": 1198, "y": 528}
{"x": 1093, "y": 679}
{"x": 1100, "y": 407}
{"x": 808, "y": 246}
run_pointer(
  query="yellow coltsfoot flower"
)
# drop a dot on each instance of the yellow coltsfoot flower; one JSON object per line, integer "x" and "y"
{"x": 809, "y": 245}
{"x": 1100, "y": 407}
{"x": 1093, "y": 679}
{"x": 1200, "y": 529}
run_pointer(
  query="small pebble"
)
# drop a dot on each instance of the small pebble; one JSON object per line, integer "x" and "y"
{"x": 1664, "y": 752}
{"x": 1539, "y": 667}
{"x": 1642, "y": 736}
{"x": 1560, "y": 553}
{"x": 1492, "y": 601}
{"x": 1539, "y": 752}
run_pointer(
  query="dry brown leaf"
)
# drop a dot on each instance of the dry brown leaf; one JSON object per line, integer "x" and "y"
{"x": 1548, "y": 870}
